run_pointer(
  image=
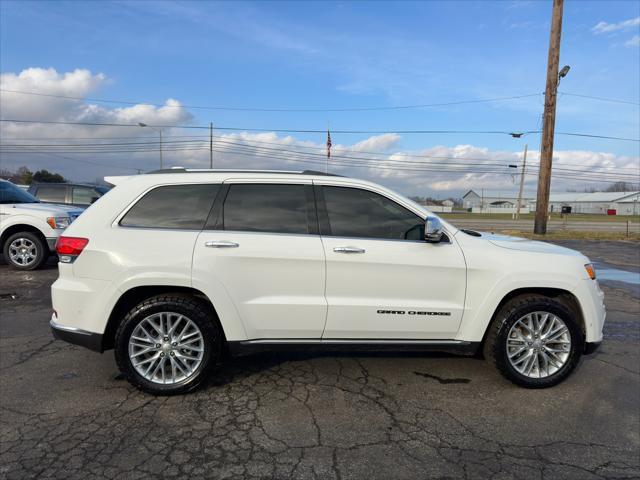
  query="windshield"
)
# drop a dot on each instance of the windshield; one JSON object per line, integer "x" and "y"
{"x": 9, "y": 193}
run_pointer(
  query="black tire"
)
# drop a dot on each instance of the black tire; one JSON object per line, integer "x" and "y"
{"x": 40, "y": 246}
{"x": 200, "y": 312}
{"x": 495, "y": 347}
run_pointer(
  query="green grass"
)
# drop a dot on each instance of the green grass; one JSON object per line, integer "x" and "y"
{"x": 574, "y": 217}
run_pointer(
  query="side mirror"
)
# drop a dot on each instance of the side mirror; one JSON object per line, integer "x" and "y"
{"x": 433, "y": 230}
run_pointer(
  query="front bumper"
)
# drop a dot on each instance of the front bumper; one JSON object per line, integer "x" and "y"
{"x": 90, "y": 340}
{"x": 51, "y": 242}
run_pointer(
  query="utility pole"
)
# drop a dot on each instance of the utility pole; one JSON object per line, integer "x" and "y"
{"x": 550, "y": 93}
{"x": 524, "y": 165}
{"x": 211, "y": 145}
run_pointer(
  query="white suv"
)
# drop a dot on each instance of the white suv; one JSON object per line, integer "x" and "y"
{"x": 174, "y": 269}
{"x": 29, "y": 229}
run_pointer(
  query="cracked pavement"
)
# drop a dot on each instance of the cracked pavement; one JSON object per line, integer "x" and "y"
{"x": 65, "y": 412}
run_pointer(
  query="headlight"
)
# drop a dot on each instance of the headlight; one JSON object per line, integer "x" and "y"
{"x": 590, "y": 271}
{"x": 58, "y": 222}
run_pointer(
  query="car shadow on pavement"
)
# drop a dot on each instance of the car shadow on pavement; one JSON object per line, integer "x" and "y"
{"x": 236, "y": 369}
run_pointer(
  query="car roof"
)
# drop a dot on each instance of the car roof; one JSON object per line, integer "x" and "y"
{"x": 177, "y": 174}
{"x": 66, "y": 184}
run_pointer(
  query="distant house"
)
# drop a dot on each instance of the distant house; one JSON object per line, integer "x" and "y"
{"x": 622, "y": 203}
{"x": 494, "y": 198}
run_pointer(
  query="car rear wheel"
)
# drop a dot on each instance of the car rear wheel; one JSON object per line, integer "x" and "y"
{"x": 535, "y": 341}
{"x": 168, "y": 344}
{"x": 25, "y": 251}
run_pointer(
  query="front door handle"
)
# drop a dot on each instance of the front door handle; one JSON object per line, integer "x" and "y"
{"x": 348, "y": 250}
{"x": 221, "y": 244}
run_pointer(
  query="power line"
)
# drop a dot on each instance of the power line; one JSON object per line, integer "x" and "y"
{"x": 274, "y": 130}
{"x": 249, "y": 148}
{"x": 339, "y": 149}
{"x": 77, "y": 160}
{"x": 255, "y": 109}
{"x": 363, "y": 163}
{"x": 348, "y": 164}
{"x": 345, "y": 132}
{"x": 597, "y": 136}
{"x": 313, "y": 109}
{"x": 486, "y": 162}
{"x": 603, "y": 99}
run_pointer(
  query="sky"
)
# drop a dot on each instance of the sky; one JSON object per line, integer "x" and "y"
{"x": 254, "y": 69}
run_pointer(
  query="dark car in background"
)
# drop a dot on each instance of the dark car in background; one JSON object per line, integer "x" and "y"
{"x": 78, "y": 194}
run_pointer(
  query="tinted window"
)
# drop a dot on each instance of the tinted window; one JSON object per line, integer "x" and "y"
{"x": 173, "y": 206}
{"x": 9, "y": 193}
{"x": 360, "y": 213}
{"x": 266, "y": 208}
{"x": 53, "y": 193}
{"x": 83, "y": 195}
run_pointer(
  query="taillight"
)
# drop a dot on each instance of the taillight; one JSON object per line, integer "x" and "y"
{"x": 68, "y": 248}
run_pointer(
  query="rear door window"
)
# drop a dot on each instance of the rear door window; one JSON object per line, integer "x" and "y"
{"x": 272, "y": 208}
{"x": 183, "y": 207}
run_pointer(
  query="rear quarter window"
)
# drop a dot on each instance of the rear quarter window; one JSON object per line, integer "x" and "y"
{"x": 183, "y": 207}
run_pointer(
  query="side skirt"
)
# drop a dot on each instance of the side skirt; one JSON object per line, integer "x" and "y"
{"x": 248, "y": 347}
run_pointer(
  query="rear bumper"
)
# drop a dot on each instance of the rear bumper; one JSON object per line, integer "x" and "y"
{"x": 591, "y": 347}
{"x": 90, "y": 340}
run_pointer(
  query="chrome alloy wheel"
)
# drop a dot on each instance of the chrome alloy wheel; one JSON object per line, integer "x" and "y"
{"x": 23, "y": 252}
{"x": 166, "y": 348}
{"x": 538, "y": 344}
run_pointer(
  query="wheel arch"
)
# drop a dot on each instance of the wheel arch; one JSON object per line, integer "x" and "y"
{"x": 21, "y": 227}
{"x": 565, "y": 297}
{"x": 135, "y": 295}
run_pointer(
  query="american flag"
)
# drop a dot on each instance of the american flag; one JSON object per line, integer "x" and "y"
{"x": 328, "y": 144}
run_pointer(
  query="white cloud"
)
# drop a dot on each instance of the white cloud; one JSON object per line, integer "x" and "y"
{"x": 605, "y": 27}
{"x": 377, "y": 143}
{"x": 633, "y": 41}
{"x": 78, "y": 83}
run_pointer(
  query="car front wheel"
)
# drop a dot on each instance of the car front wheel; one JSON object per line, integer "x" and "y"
{"x": 25, "y": 251}
{"x": 535, "y": 341}
{"x": 168, "y": 344}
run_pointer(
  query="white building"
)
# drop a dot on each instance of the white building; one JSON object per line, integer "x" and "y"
{"x": 622, "y": 203}
{"x": 492, "y": 201}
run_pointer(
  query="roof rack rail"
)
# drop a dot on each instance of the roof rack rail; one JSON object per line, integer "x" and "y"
{"x": 214, "y": 170}
{"x": 169, "y": 170}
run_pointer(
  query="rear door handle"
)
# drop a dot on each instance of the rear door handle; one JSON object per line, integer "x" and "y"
{"x": 348, "y": 250}
{"x": 221, "y": 244}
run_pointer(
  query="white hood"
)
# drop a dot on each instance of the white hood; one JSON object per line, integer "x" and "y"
{"x": 52, "y": 208}
{"x": 526, "y": 245}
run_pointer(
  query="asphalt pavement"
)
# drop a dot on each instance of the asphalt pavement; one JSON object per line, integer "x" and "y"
{"x": 66, "y": 413}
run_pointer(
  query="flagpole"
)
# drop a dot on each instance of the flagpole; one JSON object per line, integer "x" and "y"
{"x": 328, "y": 148}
